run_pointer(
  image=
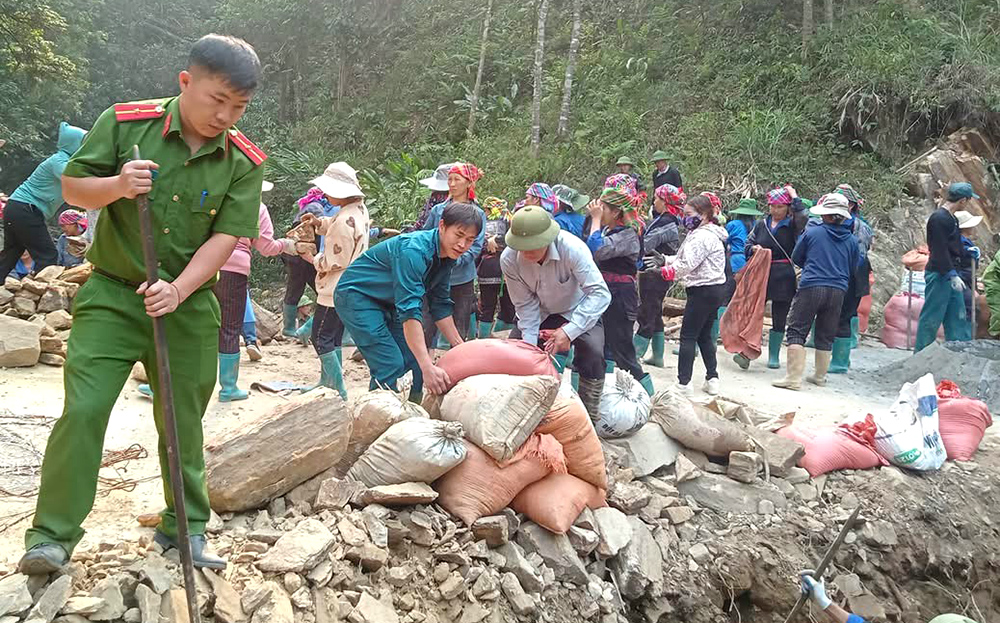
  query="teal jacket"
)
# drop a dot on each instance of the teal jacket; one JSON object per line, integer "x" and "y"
{"x": 399, "y": 272}
{"x": 43, "y": 189}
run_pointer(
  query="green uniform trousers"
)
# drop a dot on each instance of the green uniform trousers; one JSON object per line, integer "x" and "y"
{"x": 942, "y": 305}
{"x": 111, "y": 332}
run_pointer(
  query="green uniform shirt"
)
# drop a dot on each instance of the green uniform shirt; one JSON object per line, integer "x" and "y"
{"x": 215, "y": 190}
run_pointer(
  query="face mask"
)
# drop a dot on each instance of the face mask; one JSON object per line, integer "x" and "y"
{"x": 692, "y": 222}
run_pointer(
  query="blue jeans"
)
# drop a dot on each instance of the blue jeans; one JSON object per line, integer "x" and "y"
{"x": 942, "y": 304}
{"x": 249, "y": 323}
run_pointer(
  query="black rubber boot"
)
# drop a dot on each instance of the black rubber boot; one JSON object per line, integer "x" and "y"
{"x": 43, "y": 559}
{"x": 590, "y": 391}
{"x": 199, "y": 556}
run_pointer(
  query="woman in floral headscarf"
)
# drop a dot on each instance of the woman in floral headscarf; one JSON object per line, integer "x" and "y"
{"x": 663, "y": 236}
{"x": 616, "y": 243}
{"x": 489, "y": 274}
{"x": 539, "y": 194}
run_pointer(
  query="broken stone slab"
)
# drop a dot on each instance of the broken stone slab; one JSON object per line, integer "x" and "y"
{"x": 6, "y": 296}
{"x": 452, "y": 586}
{"x": 350, "y": 533}
{"x": 77, "y": 274}
{"x": 782, "y": 454}
{"x": 879, "y": 533}
{"x": 110, "y": 591}
{"x": 555, "y": 550}
{"x": 849, "y": 584}
{"x": 20, "y": 343}
{"x": 51, "y": 601}
{"x": 60, "y": 320}
{"x": 629, "y": 497}
{"x": 867, "y": 606}
{"x": 495, "y": 530}
{"x": 335, "y": 493}
{"x": 516, "y": 563}
{"x": 154, "y": 572}
{"x": 520, "y": 602}
{"x": 49, "y": 273}
{"x": 584, "y": 541}
{"x": 614, "y": 530}
{"x": 84, "y": 605}
{"x": 679, "y": 514}
{"x": 55, "y": 298}
{"x": 299, "y": 550}
{"x": 806, "y": 491}
{"x": 149, "y": 604}
{"x": 685, "y": 469}
{"x": 639, "y": 564}
{"x": 276, "y": 607}
{"x": 227, "y": 608}
{"x": 743, "y": 466}
{"x": 173, "y": 607}
{"x": 33, "y": 286}
{"x": 14, "y": 594}
{"x": 371, "y": 610}
{"x": 647, "y": 450}
{"x": 368, "y": 556}
{"x": 268, "y": 324}
{"x": 406, "y": 494}
{"x": 50, "y": 359}
{"x": 725, "y": 495}
{"x": 797, "y": 475}
{"x": 270, "y": 454}
{"x": 699, "y": 552}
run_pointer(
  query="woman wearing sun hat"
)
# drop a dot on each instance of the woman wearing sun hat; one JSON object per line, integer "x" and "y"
{"x": 438, "y": 185}
{"x": 966, "y": 223}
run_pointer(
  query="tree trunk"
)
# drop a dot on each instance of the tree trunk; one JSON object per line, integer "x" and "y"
{"x": 807, "y": 26}
{"x": 536, "y": 106}
{"x": 574, "y": 47}
{"x": 474, "y": 104}
{"x": 829, "y": 13}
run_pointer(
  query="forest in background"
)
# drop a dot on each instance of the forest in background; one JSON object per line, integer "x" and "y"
{"x": 743, "y": 94}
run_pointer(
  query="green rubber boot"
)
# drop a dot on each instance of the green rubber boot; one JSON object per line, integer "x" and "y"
{"x": 841, "y": 356}
{"x": 560, "y": 361}
{"x": 647, "y": 384}
{"x": 289, "y": 314}
{"x": 574, "y": 380}
{"x": 304, "y": 333}
{"x": 331, "y": 374}
{"x": 347, "y": 340}
{"x": 340, "y": 355}
{"x": 811, "y": 342}
{"x": 145, "y": 390}
{"x": 657, "y": 343}
{"x": 442, "y": 343}
{"x": 715, "y": 325}
{"x": 742, "y": 361}
{"x": 229, "y": 374}
{"x": 641, "y": 345}
{"x": 485, "y": 330}
{"x": 502, "y": 326}
{"x": 855, "y": 325}
{"x": 774, "y": 341}
{"x": 569, "y": 357}
{"x": 609, "y": 366}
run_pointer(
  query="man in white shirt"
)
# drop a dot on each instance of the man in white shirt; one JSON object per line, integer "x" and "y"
{"x": 559, "y": 294}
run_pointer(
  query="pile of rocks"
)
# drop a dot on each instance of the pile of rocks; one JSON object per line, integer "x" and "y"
{"x": 35, "y": 316}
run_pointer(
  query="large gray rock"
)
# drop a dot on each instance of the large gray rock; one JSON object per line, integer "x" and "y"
{"x": 51, "y": 601}
{"x": 298, "y": 551}
{"x": 114, "y": 602}
{"x": 275, "y": 608}
{"x": 267, "y": 456}
{"x": 20, "y": 342}
{"x": 227, "y": 608}
{"x": 149, "y": 604}
{"x": 14, "y": 594}
{"x": 268, "y": 324}
{"x": 614, "y": 529}
{"x": 639, "y": 565}
{"x": 647, "y": 450}
{"x": 371, "y": 610}
{"x": 55, "y": 298}
{"x": 556, "y": 550}
{"x": 781, "y": 454}
{"x": 725, "y": 495}
{"x": 517, "y": 564}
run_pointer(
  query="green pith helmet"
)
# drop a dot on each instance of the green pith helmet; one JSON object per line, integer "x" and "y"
{"x": 531, "y": 228}
{"x": 625, "y": 160}
{"x": 748, "y": 207}
{"x": 571, "y": 196}
{"x": 659, "y": 154}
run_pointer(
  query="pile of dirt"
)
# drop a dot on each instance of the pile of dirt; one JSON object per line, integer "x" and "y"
{"x": 974, "y": 366}
{"x": 664, "y": 551}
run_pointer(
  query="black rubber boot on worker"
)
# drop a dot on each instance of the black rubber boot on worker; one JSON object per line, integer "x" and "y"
{"x": 590, "y": 391}
{"x": 199, "y": 556}
{"x": 43, "y": 559}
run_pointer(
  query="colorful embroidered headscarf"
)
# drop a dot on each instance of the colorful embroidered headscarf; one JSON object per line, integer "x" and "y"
{"x": 69, "y": 217}
{"x": 779, "y": 196}
{"x": 851, "y": 194}
{"x": 545, "y": 194}
{"x": 470, "y": 172}
{"x": 626, "y": 183}
{"x": 715, "y": 201}
{"x": 618, "y": 199}
{"x": 314, "y": 195}
{"x": 672, "y": 196}
{"x": 496, "y": 209}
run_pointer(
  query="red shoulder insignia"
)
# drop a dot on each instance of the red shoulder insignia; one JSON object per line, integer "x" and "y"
{"x": 254, "y": 153}
{"x": 138, "y": 111}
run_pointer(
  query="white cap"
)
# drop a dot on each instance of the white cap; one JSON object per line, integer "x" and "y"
{"x": 967, "y": 220}
{"x": 832, "y": 204}
{"x": 439, "y": 181}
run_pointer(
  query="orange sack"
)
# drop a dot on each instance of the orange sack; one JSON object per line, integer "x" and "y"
{"x": 479, "y": 487}
{"x": 554, "y": 502}
{"x": 570, "y": 424}
{"x": 492, "y": 356}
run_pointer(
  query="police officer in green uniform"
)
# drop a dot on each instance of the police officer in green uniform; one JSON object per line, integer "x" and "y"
{"x": 203, "y": 180}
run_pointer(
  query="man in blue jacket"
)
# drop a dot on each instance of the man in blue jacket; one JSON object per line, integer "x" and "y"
{"x": 34, "y": 202}
{"x": 828, "y": 255}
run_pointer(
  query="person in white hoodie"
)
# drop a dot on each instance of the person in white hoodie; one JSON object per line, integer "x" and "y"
{"x": 700, "y": 264}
